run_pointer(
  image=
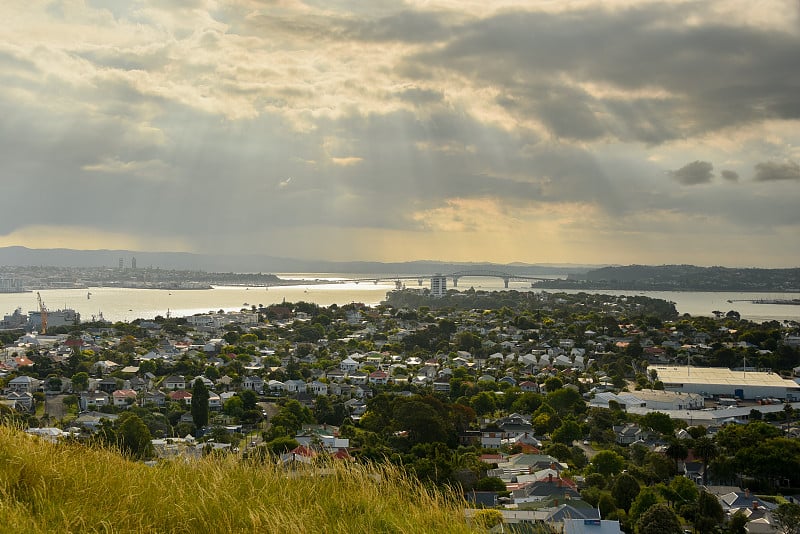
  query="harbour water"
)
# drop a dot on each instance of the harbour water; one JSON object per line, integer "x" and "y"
{"x": 118, "y": 304}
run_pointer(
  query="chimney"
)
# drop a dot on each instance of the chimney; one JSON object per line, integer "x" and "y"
{"x": 747, "y": 492}
{"x": 550, "y": 477}
{"x": 755, "y": 505}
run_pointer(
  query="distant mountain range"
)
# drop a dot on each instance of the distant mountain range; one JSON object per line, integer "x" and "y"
{"x": 253, "y": 263}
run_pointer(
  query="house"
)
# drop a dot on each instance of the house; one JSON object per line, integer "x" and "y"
{"x": 157, "y": 398}
{"x": 441, "y": 386}
{"x": 23, "y": 384}
{"x": 21, "y": 401}
{"x": 109, "y": 385}
{"x": 92, "y": 421}
{"x": 276, "y": 386}
{"x": 180, "y": 395}
{"x": 491, "y": 439}
{"x": 628, "y": 433}
{"x": 93, "y": 400}
{"x": 295, "y": 386}
{"x": 335, "y": 375}
{"x": 318, "y": 388}
{"x": 138, "y": 384}
{"x": 174, "y": 382}
{"x": 254, "y": 383}
{"x": 591, "y": 526}
{"x": 379, "y": 378}
{"x": 508, "y": 380}
{"x": 358, "y": 378}
{"x": 105, "y": 366}
{"x": 214, "y": 401}
{"x": 349, "y": 365}
{"x": 124, "y": 398}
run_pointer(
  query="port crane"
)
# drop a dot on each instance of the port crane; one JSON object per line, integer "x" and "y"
{"x": 42, "y": 312}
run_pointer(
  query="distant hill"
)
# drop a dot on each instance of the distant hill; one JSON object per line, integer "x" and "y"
{"x": 682, "y": 278}
{"x": 21, "y": 256}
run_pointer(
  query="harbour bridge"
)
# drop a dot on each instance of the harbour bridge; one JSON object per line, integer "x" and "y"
{"x": 455, "y": 277}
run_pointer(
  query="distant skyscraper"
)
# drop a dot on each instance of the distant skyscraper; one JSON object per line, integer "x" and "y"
{"x": 438, "y": 285}
{"x": 133, "y": 263}
{"x": 120, "y": 264}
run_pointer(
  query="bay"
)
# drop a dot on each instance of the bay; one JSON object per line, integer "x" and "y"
{"x": 120, "y": 304}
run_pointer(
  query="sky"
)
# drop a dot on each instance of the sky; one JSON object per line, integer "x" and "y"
{"x": 550, "y": 131}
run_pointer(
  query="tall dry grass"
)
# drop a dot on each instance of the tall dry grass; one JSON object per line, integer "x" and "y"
{"x": 47, "y": 487}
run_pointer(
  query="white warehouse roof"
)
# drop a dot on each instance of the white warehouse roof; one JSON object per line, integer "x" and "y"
{"x": 720, "y": 376}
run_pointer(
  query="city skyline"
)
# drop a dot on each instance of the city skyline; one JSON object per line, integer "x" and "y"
{"x": 537, "y": 132}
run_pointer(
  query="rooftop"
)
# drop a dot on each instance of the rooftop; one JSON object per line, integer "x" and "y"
{"x": 720, "y": 375}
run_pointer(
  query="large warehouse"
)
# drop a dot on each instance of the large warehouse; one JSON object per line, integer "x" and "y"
{"x": 722, "y": 382}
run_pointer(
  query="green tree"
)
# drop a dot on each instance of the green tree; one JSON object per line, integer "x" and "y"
{"x": 737, "y": 522}
{"x": 566, "y": 400}
{"x": 233, "y": 407}
{"x": 281, "y": 444}
{"x": 568, "y": 432}
{"x": 553, "y": 383}
{"x": 483, "y": 403}
{"x": 677, "y": 451}
{"x": 200, "y": 396}
{"x": 684, "y": 489}
{"x": 625, "y": 490}
{"x": 658, "y": 519}
{"x": 787, "y": 518}
{"x": 134, "y": 437}
{"x": 490, "y": 484}
{"x": 647, "y": 498}
{"x": 249, "y": 399}
{"x": 706, "y": 449}
{"x": 658, "y": 421}
{"x": 709, "y": 513}
{"x": 80, "y": 381}
{"x": 608, "y": 463}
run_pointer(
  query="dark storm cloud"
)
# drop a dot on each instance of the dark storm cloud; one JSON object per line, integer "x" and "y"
{"x": 697, "y": 172}
{"x": 711, "y": 75}
{"x": 731, "y": 176}
{"x": 770, "y": 171}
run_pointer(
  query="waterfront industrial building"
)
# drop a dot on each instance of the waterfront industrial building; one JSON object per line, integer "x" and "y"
{"x": 723, "y": 382}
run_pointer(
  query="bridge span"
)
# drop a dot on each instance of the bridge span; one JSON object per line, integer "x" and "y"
{"x": 455, "y": 277}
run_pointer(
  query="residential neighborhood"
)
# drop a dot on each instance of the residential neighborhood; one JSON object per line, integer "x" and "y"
{"x": 547, "y": 407}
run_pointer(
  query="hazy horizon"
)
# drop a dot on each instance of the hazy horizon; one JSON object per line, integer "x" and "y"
{"x": 538, "y": 132}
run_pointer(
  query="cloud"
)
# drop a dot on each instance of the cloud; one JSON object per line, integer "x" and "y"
{"x": 487, "y": 123}
{"x": 731, "y": 176}
{"x": 348, "y": 161}
{"x": 770, "y": 171}
{"x": 601, "y": 64}
{"x": 697, "y": 172}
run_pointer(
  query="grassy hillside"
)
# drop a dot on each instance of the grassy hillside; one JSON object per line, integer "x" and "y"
{"x": 69, "y": 488}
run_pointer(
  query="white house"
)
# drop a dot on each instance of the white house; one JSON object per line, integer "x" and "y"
{"x": 318, "y": 388}
{"x": 254, "y": 383}
{"x": 349, "y": 365}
